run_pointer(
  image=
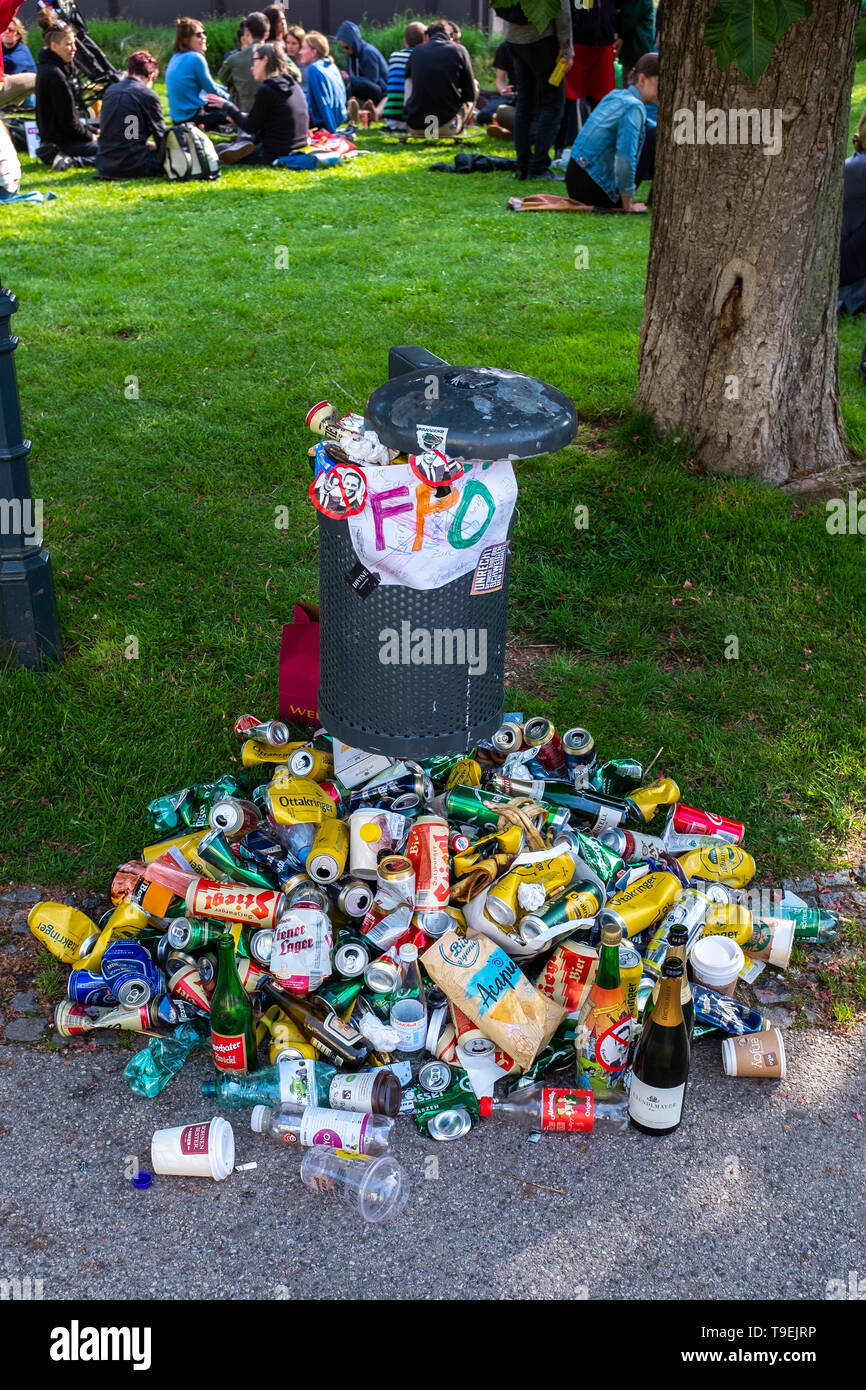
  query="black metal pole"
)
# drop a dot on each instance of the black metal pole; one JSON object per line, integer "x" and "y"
{"x": 29, "y": 630}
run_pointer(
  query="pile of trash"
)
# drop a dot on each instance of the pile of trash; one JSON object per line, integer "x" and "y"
{"x": 355, "y": 939}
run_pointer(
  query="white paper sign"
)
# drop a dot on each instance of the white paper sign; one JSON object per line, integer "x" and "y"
{"x": 409, "y": 536}
{"x": 31, "y": 131}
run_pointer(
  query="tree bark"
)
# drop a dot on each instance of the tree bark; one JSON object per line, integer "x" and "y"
{"x": 738, "y": 344}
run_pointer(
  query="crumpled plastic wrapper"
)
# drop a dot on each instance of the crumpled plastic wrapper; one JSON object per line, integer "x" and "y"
{"x": 151, "y": 1069}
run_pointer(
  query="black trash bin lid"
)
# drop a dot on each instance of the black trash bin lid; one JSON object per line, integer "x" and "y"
{"x": 490, "y": 413}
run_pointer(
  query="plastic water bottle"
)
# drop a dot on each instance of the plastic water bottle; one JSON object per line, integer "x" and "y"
{"x": 336, "y": 1129}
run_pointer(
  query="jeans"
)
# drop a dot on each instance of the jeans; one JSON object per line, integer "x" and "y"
{"x": 533, "y": 64}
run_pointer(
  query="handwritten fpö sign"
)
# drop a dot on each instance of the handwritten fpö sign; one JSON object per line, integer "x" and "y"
{"x": 411, "y": 536}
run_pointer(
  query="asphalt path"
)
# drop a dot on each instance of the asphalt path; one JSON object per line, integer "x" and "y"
{"x": 760, "y": 1195}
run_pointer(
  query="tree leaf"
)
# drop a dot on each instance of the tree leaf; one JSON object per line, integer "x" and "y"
{"x": 746, "y": 32}
{"x": 540, "y": 12}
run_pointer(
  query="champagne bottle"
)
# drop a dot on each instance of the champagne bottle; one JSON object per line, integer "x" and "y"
{"x": 677, "y": 939}
{"x": 661, "y": 1060}
{"x": 604, "y": 1022}
{"x": 232, "y": 1026}
{"x": 337, "y": 1041}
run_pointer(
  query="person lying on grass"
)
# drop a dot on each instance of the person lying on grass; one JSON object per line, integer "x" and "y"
{"x": 615, "y": 150}
{"x": 278, "y": 118}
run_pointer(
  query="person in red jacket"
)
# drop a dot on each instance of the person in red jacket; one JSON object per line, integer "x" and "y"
{"x": 8, "y": 11}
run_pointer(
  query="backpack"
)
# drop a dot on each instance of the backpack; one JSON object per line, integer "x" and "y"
{"x": 512, "y": 14}
{"x": 189, "y": 154}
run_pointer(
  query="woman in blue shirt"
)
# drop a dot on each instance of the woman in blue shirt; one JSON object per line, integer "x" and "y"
{"x": 326, "y": 90}
{"x": 188, "y": 75}
{"x": 615, "y": 150}
{"x": 18, "y": 78}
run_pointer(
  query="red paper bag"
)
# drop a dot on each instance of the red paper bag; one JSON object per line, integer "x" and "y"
{"x": 299, "y": 667}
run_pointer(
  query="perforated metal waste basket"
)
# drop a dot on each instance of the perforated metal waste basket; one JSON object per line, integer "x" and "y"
{"x": 445, "y": 689}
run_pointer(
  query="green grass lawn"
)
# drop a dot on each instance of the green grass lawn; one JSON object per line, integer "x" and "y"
{"x": 160, "y": 511}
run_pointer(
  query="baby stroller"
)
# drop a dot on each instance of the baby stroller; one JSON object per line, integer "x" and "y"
{"x": 93, "y": 71}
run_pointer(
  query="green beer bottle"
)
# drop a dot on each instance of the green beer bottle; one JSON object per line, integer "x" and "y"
{"x": 232, "y": 1026}
{"x": 604, "y": 1022}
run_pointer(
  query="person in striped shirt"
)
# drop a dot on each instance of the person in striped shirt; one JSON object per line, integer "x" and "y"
{"x": 393, "y": 113}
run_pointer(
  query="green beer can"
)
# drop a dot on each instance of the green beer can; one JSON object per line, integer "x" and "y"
{"x": 466, "y": 805}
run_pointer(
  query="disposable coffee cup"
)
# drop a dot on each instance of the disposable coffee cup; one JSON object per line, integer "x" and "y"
{"x": 755, "y": 1054}
{"x": 774, "y": 948}
{"x": 205, "y": 1150}
{"x": 717, "y": 961}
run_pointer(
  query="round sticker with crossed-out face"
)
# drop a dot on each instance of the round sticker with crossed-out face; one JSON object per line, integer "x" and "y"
{"x": 434, "y": 468}
{"x": 340, "y": 491}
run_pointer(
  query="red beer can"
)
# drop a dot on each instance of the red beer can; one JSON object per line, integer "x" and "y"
{"x": 427, "y": 848}
{"x": 540, "y": 734}
{"x": 688, "y": 820}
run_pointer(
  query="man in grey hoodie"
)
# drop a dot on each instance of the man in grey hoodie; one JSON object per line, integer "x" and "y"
{"x": 366, "y": 77}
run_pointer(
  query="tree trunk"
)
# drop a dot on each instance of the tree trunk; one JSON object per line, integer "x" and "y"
{"x": 738, "y": 342}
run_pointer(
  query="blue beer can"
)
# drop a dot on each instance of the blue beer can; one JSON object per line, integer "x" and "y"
{"x": 87, "y": 987}
{"x": 130, "y": 973}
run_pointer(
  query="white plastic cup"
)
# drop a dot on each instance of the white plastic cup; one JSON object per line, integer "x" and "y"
{"x": 717, "y": 961}
{"x": 374, "y": 1187}
{"x": 204, "y": 1150}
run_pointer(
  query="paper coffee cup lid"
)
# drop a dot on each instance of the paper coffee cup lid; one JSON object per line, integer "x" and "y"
{"x": 717, "y": 960}
{"x": 221, "y": 1148}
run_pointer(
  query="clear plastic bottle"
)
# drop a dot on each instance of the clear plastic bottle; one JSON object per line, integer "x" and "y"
{"x": 337, "y": 1129}
{"x": 562, "y": 1110}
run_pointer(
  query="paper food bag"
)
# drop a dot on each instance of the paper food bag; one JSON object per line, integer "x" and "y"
{"x": 489, "y": 988}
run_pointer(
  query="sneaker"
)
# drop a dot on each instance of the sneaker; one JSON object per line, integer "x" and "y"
{"x": 233, "y": 154}
{"x": 353, "y": 111}
{"x": 61, "y": 162}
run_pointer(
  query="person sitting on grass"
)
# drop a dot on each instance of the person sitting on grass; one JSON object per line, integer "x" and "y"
{"x": 366, "y": 77}
{"x": 615, "y": 150}
{"x": 188, "y": 75}
{"x": 326, "y": 91}
{"x": 236, "y": 72}
{"x": 17, "y": 68}
{"x": 852, "y": 261}
{"x": 414, "y": 34}
{"x": 132, "y": 128}
{"x": 67, "y": 141}
{"x": 503, "y": 77}
{"x": 440, "y": 84}
{"x": 278, "y": 118}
